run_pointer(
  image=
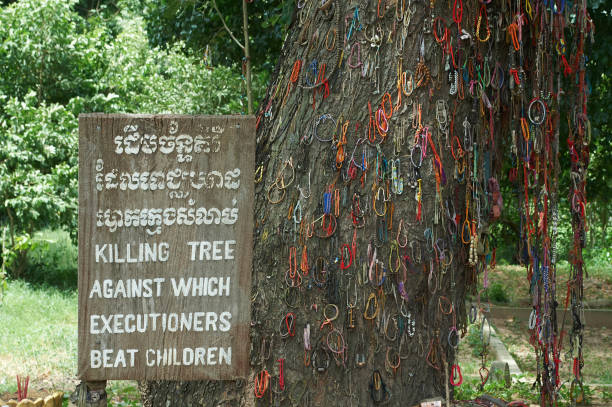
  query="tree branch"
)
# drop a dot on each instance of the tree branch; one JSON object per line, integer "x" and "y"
{"x": 247, "y": 56}
{"x": 225, "y": 25}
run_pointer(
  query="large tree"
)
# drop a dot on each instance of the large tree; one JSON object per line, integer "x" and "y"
{"x": 380, "y": 144}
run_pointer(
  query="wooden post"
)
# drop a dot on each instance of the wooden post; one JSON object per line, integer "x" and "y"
{"x": 90, "y": 394}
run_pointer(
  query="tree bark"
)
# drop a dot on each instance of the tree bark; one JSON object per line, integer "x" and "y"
{"x": 300, "y": 132}
{"x": 377, "y": 153}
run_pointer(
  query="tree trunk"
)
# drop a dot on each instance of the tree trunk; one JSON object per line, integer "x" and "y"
{"x": 372, "y": 140}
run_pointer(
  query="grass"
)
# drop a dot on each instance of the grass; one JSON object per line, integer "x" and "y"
{"x": 38, "y": 336}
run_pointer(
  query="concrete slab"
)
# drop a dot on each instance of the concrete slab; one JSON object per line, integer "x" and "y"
{"x": 499, "y": 351}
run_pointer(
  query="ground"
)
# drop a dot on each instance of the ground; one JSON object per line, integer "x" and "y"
{"x": 38, "y": 337}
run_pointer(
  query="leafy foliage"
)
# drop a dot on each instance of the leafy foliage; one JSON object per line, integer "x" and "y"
{"x": 600, "y": 168}
{"x": 38, "y": 162}
{"x": 38, "y": 172}
{"x": 46, "y": 48}
{"x": 141, "y": 79}
{"x": 197, "y": 24}
{"x": 58, "y": 63}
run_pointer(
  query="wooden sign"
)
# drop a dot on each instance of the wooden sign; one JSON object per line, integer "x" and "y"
{"x": 165, "y": 246}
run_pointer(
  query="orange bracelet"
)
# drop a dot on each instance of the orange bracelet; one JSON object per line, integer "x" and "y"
{"x": 382, "y": 105}
{"x": 262, "y": 381}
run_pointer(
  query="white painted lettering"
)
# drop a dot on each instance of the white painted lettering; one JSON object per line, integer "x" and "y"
{"x": 204, "y": 249}
{"x": 225, "y": 356}
{"x": 133, "y": 352}
{"x": 96, "y": 289}
{"x": 200, "y": 352}
{"x": 128, "y": 256}
{"x": 150, "y": 253}
{"x": 150, "y": 362}
{"x": 93, "y": 324}
{"x": 188, "y": 356}
{"x": 186, "y": 321}
{"x": 166, "y": 322}
{"x": 118, "y": 259}
{"x": 193, "y": 249}
{"x": 130, "y": 326}
{"x": 120, "y": 289}
{"x": 100, "y": 253}
{"x": 225, "y": 318}
{"x": 120, "y": 360}
{"x": 213, "y": 282}
{"x": 217, "y": 252}
{"x": 197, "y": 321}
{"x": 95, "y": 359}
{"x": 159, "y": 282}
{"x": 118, "y": 324}
{"x": 224, "y": 286}
{"x": 107, "y": 285}
{"x": 106, "y": 357}
{"x": 211, "y": 356}
{"x": 211, "y": 321}
{"x": 229, "y": 250}
{"x": 172, "y": 322}
{"x": 199, "y": 286}
{"x": 146, "y": 285}
{"x": 182, "y": 288}
{"x": 164, "y": 251}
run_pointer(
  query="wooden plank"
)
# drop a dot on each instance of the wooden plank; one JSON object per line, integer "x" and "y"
{"x": 165, "y": 246}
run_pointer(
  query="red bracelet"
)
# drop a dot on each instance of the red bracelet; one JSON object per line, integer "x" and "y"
{"x": 456, "y": 371}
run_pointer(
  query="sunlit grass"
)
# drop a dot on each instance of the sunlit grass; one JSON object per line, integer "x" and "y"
{"x": 38, "y": 336}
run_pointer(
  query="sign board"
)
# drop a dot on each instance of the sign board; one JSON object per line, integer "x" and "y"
{"x": 165, "y": 246}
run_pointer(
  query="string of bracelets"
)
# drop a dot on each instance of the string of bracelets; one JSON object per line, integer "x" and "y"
{"x": 380, "y": 151}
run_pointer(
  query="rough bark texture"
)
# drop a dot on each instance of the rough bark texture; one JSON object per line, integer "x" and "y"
{"x": 372, "y": 126}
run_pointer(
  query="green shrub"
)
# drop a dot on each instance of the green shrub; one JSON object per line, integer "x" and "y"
{"x": 46, "y": 47}
{"x": 473, "y": 340}
{"x": 38, "y": 175}
{"x": 498, "y": 294}
{"x": 53, "y": 260}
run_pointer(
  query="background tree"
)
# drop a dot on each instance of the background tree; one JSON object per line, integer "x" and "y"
{"x": 198, "y": 25}
{"x": 58, "y": 59}
{"x": 380, "y": 144}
